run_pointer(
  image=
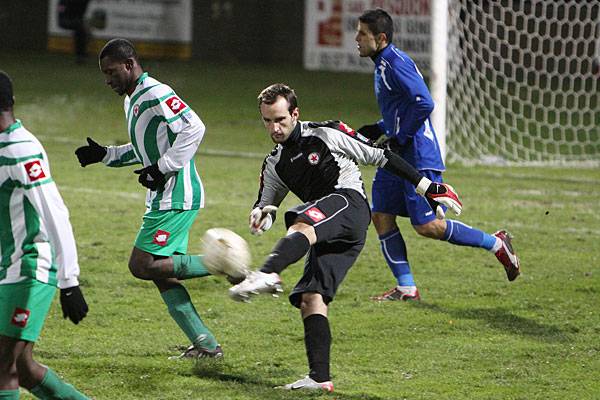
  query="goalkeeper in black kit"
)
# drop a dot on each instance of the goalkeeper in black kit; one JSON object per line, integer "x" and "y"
{"x": 318, "y": 163}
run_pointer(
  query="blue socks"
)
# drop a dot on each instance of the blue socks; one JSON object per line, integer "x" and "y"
{"x": 394, "y": 248}
{"x": 394, "y": 252}
{"x": 464, "y": 235}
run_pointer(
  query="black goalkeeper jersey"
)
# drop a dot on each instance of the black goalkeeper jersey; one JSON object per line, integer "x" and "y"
{"x": 317, "y": 159}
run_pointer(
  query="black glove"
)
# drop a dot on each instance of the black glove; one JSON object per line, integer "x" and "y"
{"x": 372, "y": 131}
{"x": 151, "y": 177}
{"x": 73, "y": 304}
{"x": 90, "y": 154}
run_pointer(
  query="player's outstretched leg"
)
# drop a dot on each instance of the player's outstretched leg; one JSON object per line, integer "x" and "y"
{"x": 287, "y": 251}
{"x": 499, "y": 243}
{"x": 394, "y": 252}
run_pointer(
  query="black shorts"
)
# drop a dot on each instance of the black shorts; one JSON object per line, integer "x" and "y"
{"x": 340, "y": 220}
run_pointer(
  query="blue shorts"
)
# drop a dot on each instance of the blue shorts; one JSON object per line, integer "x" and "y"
{"x": 397, "y": 196}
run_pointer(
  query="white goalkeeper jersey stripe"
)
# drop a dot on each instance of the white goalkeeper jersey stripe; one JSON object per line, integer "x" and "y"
{"x": 36, "y": 238}
{"x": 163, "y": 130}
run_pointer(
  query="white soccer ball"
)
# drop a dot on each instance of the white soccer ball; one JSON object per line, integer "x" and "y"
{"x": 225, "y": 253}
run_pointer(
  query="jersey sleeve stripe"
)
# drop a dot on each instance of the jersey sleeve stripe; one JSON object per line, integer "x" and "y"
{"x": 128, "y": 158}
{"x": 6, "y": 144}
{"x": 179, "y": 115}
{"x": 16, "y": 160}
{"x": 32, "y": 185}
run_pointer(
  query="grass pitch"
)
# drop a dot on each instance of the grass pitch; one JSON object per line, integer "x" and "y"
{"x": 474, "y": 335}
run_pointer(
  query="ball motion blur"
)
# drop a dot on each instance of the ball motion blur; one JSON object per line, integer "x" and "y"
{"x": 225, "y": 253}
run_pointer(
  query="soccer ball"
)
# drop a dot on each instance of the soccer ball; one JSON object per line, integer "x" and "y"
{"x": 225, "y": 253}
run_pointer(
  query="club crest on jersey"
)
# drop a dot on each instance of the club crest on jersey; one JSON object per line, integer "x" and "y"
{"x": 161, "y": 237}
{"x": 313, "y": 158}
{"x": 175, "y": 104}
{"x": 34, "y": 170}
{"x": 20, "y": 317}
{"x": 136, "y": 110}
{"x": 315, "y": 214}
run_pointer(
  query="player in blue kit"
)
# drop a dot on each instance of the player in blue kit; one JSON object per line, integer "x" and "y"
{"x": 405, "y": 105}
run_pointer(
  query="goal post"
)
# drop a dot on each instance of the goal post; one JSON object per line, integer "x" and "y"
{"x": 438, "y": 74}
{"x": 513, "y": 81}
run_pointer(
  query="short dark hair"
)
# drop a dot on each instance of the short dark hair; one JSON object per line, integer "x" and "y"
{"x": 378, "y": 21}
{"x": 118, "y": 49}
{"x": 270, "y": 94}
{"x": 6, "y": 92}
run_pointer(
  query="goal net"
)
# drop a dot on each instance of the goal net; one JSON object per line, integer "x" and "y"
{"x": 520, "y": 87}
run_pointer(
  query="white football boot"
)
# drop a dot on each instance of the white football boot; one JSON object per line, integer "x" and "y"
{"x": 307, "y": 383}
{"x": 255, "y": 283}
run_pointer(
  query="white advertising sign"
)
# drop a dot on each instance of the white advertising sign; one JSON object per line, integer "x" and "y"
{"x": 330, "y": 28}
{"x": 148, "y": 22}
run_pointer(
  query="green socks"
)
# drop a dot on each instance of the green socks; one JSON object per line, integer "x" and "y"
{"x": 9, "y": 394}
{"x": 186, "y": 267}
{"x": 52, "y": 387}
{"x": 183, "y": 312}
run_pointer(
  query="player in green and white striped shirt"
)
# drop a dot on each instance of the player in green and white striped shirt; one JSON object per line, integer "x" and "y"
{"x": 37, "y": 253}
{"x": 164, "y": 135}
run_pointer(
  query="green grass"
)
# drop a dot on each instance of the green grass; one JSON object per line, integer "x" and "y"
{"x": 473, "y": 336}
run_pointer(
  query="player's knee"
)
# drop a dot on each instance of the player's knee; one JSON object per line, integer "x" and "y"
{"x": 304, "y": 228}
{"x": 433, "y": 230}
{"x": 311, "y": 303}
{"x": 384, "y": 223}
{"x": 140, "y": 270}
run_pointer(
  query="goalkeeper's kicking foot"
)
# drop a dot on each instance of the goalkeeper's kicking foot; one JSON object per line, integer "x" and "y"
{"x": 307, "y": 383}
{"x": 255, "y": 283}
{"x": 507, "y": 256}
{"x": 404, "y": 293}
{"x": 197, "y": 352}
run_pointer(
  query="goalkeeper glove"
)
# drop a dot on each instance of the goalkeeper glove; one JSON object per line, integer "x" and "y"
{"x": 438, "y": 194}
{"x": 73, "y": 304}
{"x": 151, "y": 177}
{"x": 261, "y": 220}
{"x": 90, "y": 154}
{"x": 372, "y": 131}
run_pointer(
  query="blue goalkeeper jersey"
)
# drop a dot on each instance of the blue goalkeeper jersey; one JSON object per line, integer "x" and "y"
{"x": 405, "y": 104}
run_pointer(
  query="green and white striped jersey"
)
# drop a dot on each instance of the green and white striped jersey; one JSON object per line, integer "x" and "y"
{"x": 36, "y": 238}
{"x": 163, "y": 130}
